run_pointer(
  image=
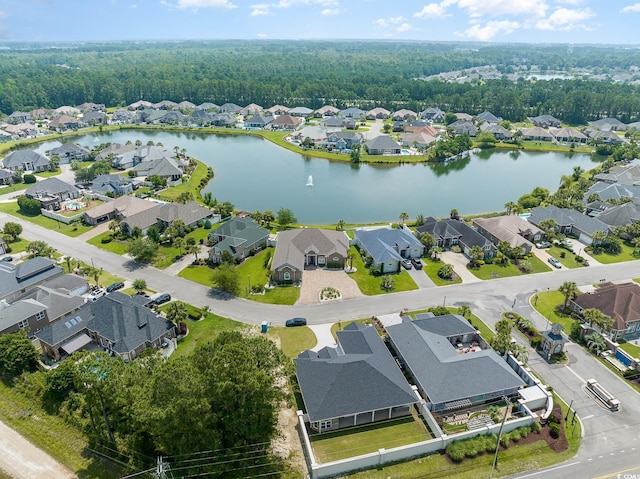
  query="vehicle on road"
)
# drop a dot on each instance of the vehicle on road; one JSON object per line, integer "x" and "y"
{"x": 115, "y": 286}
{"x": 417, "y": 263}
{"x": 96, "y": 294}
{"x": 543, "y": 244}
{"x": 567, "y": 243}
{"x": 406, "y": 263}
{"x": 554, "y": 262}
{"x": 7, "y": 259}
{"x": 161, "y": 299}
{"x": 295, "y": 322}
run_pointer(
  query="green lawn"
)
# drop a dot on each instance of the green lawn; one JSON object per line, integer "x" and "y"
{"x": 546, "y": 305}
{"x": 356, "y": 441}
{"x": 69, "y": 230}
{"x": 15, "y": 187}
{"x": 431, "y": 269}
{"x": 293, "y": 341}
{"x": 191, "y": 186}
{"x": 370, "y": 284}
{"x": 625, "y": 255}
{"x": 204, "y": 331}
{"x": 19, "y": 245}
{"x": 492, "y": 271}
{"x": 115, "y": 246}
{"x": 569, "y": 258}
{"x": 131, "y": 291}
{"x": 49, "y": 174}
{"x": 51, "y": 433}
{"x": 251, "y": 270}
{"x": 632, "y": 349}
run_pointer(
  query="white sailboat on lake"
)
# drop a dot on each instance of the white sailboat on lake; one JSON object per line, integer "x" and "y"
{"x": 309, "y": 181}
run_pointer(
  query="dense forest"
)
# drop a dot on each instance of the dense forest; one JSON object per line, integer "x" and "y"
{"x": 317, "y": 73}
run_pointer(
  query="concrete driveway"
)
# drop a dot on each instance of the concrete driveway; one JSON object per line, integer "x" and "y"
{"x": 459, "y": 263}
{"x": 314, "y": 280}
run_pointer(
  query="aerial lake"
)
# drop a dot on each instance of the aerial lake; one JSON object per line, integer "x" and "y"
{"x": 255, "y": 174}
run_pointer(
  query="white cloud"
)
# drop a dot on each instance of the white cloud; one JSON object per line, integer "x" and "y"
{"x": 381, "y": 22}
{"x": 133, "y": 6}
{"x": 570, "y": 2}
{"x": 489, "y": 30}
{"x": 432, "y": 10}
{"x": 405, "y": 27}
{"x": 396, "y": 20}
{"x": 196, "y": 4}
{"x": 565, "y": 19}
{"x": 292, "y": 3}
{"x": 388, "y": 22}
{"x": 496, "y": 8}
{"x": 635, "y": 8}
{"x": 262, "y": 35}
{"x": 260, "y": 9}
{"x": 331, "y": 11}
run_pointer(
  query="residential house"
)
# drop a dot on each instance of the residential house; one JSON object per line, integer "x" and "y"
{"x": 70, "y": 151}
{"x": 164, "y": 216}
{"x": 569, "y": 222}
{"x": 608, "y": 124}
{"x": 464, "y": 116}
{"x": 499, "y": 132}
{"x": 461, "y": 127}
{"x": 186, "y": 105}
{"x": 150, "y": 116}
{"x": 300, "y": 249}
{"x": 164, "y": 105}
{"x": 201, "y": 117}
{"x": 64, "y": 123}
{"x": 14, "y": 280}
{"x": 286, "y": 122}
{"x": 258, "y": 121}
{"x": 277, "y": 110}
{"x": 382, "y": 145}
{"x": 173, "y": 117}
{"x": 162, "y": 167}
{"x": 122, "y": 116}
{"x": 326, "y": 110}
{"x": 6, "y": 177}
{"x": 94, "y": 118}
{"x": 112, "y": 184}
{"x": 416, "y": 140}
{"x": 489, "y": 117}
{"x": 621, "y": 302}
{"x": 452, "y": 366}
{"x": 114, "y": 322}
{"x": 208, "y": 106}
{"x": 353, "y": 384}
{"x": 89, "y": 106}
{"x": 516, "y": 231}
{"x": 140, "y": 105}
{"x": 568, "y": 135}
{"x": 66, "y": 110}
{"x": 40, "y": 114}
{"x": 536, "y": 134}
{"x": 223, "y": 119}
{"x": 5, "y": 136}
{"x": 620, "y": 215}
{"x": 387, "y": 247}
{"x": 434, "y": 115}
{"x": 614, "y": 192}
{"x": 356, "y": 113}
{"x": 344, "y": 140}
{"x": 623, "y": 174}
{"x": 51, "y": 192}
{"x": 301, "y": 111}
{"x": 607, "y": 137}
{"x": 334, "y": 122}
{"x": 118, "y": 209}
{"x": 26, "y": 160}
{"x": 404, "y": 115}
{"x": 317, "y": 134}
{"x": 451, "y": 232}
{"x": 22, "y": 130}
{"x": 238, "y": 236}
{"x": 120, "y": 156}
{"x": 545, "y": 121}
{"x": 251, "y": 110}
{"x": 377, "y": 114}
{"x": 26, "y": 314}
{"x": 19, "y": 117}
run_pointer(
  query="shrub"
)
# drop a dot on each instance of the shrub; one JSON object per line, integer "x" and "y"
{"x": 200, "y": 223}
{"x": 504, "y": 440}
{"x": 28, "y": 205}
{"x": 535, "y": 342}
{"x": 536, "y": 427}
{"x": 257, "y": 289}
{"x": 554, "y": 430}
{"x": 207, "y": 224}
{"x": 456, "y": 249}
{"x": 563, "y": 254}
{"x": 195, "y": 315}
{"x": 29, "y": 178}
{"x": 579, "y": 259}
{"x": 456, "y": 451}
{"x": 445, "y": 271}
{"x": 106, "y": 239}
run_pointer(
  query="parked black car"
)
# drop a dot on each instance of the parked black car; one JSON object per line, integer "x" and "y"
{"x": 417, "y": 264}
{"x": 163, "y": 298}
{"x": 295, "y": 322}
{"x": 115, "y": 286}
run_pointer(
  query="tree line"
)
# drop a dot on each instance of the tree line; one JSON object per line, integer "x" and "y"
{"x": 312, "y": 74}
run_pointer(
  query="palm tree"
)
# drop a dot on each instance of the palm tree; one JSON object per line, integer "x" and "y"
{"x": 194, "y": 249}
{"x": 520, "y": 352}
{"x": 177, "y": 312}
{"x": 510, "y": 206}
{"x": 597, "y": 317}
{"x": 569, "y": 290}
{"x": 139, "y": 285}
{"x": 435, "y": 252}
{"x": 598, "y": 237}
{"x": 268, "y": 216}
{"x": 464, "y": 310}
{"x": 340, "y": 225}
{"x": 404, "y": 216}
{"x": 595, "y": 342}
{"x": 113, "y": 226}
{"x": 419, "y": 220}
{"x": 179, "y": 243}
{"x": 454, "y": 215}
{"x": 476, "y": 253}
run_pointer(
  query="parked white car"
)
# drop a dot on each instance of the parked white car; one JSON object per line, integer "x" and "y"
{"x": 96, "y": 294}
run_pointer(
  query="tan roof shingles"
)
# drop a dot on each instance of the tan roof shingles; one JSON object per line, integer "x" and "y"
{"x": 618, "y": 301}
{"x": 126, "y": 205}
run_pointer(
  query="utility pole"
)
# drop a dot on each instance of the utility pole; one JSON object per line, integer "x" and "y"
{"x": 161, "y": 468}
{"x": 504, "y": 418}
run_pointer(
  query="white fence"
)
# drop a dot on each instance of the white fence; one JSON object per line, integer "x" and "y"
{"x": 61, "y": 218}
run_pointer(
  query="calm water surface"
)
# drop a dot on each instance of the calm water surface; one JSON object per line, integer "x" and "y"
{"x": 255, "y": 174}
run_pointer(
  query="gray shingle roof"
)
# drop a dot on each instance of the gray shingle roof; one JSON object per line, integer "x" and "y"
{"x": 380, "y": 243}
{"x": 360, "y": 377}
{"x": 55, "y": 300}
{"x": 53, "y": 186}
{"x": 16, "y": 159}
{"x": 441, "y": 372}
{"x": 19, "y": 311}
{"x": 115, "y": 317}
{"x": 620, "y": 215}
{"x": 566, "y": 217}
{"x": 382, "y": 142}
{"x": 294, "y": 244}
{"x": 33, "y": 271}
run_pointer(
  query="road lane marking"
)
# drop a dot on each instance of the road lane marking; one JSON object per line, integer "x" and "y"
{"x": 575, "y": 374}
{"x": 587, "y": 417}
{"x": 617, "y": 474}
{"x": 549, "y": 470}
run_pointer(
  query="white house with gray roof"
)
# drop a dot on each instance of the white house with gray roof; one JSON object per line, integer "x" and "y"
{"x": 569, "y": 222}
{"x": 356, "y": 383}
{"x": 26, "y": 160}
{"x": 238, "y": 236}
{"x": 14, "y": 280}
{"x": 387, "y": 247}
{"x": 450, "y": 363}
{"x": 382, "y": 145}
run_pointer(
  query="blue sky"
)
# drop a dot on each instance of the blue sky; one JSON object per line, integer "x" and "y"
{"x": 532, "y": 21}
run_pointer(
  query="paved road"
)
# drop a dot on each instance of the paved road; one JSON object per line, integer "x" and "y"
{"x": 22, "y": 460}
{"x": 610, "y": 439}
